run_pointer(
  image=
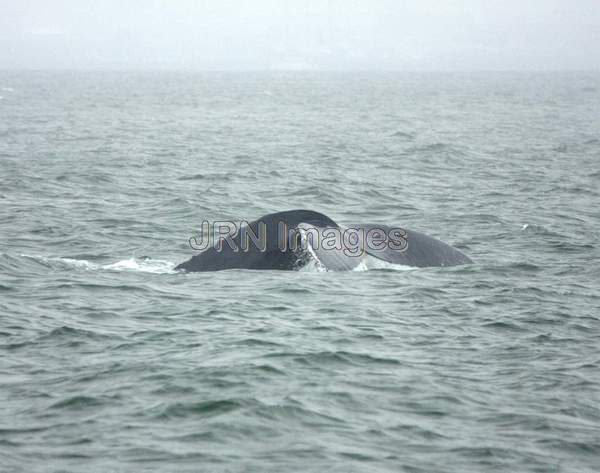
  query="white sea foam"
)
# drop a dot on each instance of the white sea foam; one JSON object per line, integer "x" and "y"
{"x": 369, "y": 262}
{"x": 143, "y": 265}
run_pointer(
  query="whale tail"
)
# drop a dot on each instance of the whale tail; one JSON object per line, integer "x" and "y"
{"x": 291, "y": 239}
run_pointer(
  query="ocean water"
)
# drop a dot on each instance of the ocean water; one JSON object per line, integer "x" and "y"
{"x": 112, "y": 361}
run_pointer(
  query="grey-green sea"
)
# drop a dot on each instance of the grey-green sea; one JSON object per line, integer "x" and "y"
{"x": 110, "y": 360}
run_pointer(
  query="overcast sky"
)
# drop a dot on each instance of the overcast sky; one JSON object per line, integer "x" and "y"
{"x": 301, "y": 34}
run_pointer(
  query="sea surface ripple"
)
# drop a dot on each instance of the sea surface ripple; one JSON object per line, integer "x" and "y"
{"x": 112, "y": 361}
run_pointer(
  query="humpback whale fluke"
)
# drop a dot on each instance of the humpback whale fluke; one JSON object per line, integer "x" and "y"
{"x": 289, "y": 240}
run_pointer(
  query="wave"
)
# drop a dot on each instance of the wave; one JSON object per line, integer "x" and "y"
{"x": 144, "y": 265}
{"x": 310, "y": 263}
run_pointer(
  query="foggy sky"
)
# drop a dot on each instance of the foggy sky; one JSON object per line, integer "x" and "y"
{"x": 301, "y": 34}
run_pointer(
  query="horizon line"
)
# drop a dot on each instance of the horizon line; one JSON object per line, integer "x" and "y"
{"x": 290, "y": 70}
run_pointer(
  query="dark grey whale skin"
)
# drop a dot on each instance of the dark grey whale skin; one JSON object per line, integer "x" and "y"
{"x": 422, "y": 250}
